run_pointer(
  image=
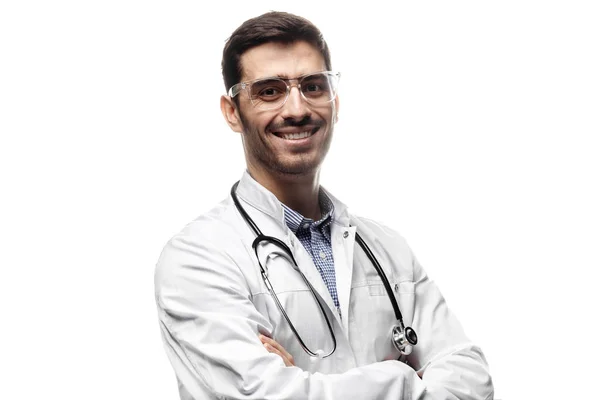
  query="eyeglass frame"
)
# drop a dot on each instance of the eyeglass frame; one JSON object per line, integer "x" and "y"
{"x": 238, "y": 87}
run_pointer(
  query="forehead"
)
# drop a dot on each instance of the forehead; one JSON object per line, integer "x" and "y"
{"x": 279, "y": 59}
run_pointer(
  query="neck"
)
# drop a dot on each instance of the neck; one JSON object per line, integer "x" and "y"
{"x": 298, "y": 192}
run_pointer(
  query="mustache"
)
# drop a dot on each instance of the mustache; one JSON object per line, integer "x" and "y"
{"x": 306, "y": 121}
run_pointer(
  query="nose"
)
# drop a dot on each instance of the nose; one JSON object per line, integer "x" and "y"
{"x": 295, "y": 106}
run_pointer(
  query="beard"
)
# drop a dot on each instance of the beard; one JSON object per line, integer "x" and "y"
{"x": 260, "y": 150}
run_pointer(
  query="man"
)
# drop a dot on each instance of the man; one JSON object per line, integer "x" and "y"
{"x": 304, "y": 314}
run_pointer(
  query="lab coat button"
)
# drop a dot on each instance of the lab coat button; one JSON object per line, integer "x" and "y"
{"x": 396, "y": 287}
{"x": 345, "y": 234}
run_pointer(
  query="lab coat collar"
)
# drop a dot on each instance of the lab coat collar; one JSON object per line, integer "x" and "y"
{"x": 258, "y": 197}
{"x": 263, "y": 200}
{"x": 340, "y": 210}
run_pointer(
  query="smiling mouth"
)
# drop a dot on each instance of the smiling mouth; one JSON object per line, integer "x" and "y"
{"x": 296, "y": 135}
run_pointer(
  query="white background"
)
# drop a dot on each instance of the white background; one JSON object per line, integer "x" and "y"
{"x": 469, "y": 126}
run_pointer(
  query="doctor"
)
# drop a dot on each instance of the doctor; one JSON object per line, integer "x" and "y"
{"x": 304, "y": 314}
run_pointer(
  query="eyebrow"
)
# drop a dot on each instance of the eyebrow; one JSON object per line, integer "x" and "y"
{"x": 284, "y": 76}
{"x": 278, "y": 76}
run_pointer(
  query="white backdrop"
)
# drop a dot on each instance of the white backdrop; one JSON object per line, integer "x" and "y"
{"x": 471, "y": 127}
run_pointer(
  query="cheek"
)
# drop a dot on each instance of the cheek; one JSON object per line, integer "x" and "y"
{"x": 258, "y": 124}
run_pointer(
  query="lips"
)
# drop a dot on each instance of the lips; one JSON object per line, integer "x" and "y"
{"x": 297, "y": 134}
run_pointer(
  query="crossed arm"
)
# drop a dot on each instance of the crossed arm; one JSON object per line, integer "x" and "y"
{"x": 210, "y": 326}
{"x": 274, "y": 347}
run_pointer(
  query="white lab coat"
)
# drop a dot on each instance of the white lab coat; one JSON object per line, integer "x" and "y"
{"x": 212, "y": 304}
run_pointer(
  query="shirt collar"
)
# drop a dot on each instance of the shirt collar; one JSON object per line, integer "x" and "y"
{"x": 294, "y": 219}
{"x": 258, "y": 197}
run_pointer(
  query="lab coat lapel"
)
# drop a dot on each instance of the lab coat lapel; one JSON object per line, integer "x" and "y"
{"x": 267, "y": 209}
{"x": 310, "y": 271}
{"x": 342, "y": 241}
{"x": 268, "y": 212}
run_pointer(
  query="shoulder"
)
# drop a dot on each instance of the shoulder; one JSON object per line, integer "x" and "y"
{"x": 369, "y": 229}
{"x": 200, "y": 245}
{"x": 210, "y": 227}
{"x": 378, "y": 229}
{"x": 387, "y": 244}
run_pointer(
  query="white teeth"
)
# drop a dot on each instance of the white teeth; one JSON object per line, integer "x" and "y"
{"x": 295, "y": 136}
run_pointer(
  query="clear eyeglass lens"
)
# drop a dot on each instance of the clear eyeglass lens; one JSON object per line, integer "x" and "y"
{"x": 318, "y": 88}
{"x": 271, "y": 93}
{"x": 268, "y": 92}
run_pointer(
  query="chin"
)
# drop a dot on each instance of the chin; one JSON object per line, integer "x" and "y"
{"x": 298, "y": 168}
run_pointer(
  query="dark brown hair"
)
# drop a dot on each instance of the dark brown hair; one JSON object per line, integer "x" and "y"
{"x": 280, "y": 27}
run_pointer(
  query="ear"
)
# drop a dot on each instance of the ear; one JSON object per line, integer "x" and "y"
{"x": 231, "y": 115}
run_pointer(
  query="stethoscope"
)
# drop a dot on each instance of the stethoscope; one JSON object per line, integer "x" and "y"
{"x": 403, "y": 338}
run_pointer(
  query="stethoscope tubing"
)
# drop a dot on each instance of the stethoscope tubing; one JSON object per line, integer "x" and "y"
{"x": 386, "y": 282}
{"x": 284, "y": 247}
{"x": 260, "y": 237}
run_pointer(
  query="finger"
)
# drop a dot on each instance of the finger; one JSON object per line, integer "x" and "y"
{"x": 273, "y": 343}
{"x": 273, "y": 350}
{"x": 263, "y": 338}
{"x": 278, "y": 347}
{"x": 287, "y": 359}
{"x": 281, "y": 350}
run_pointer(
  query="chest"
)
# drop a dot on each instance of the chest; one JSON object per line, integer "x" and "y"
{"x": 362, "y": 329}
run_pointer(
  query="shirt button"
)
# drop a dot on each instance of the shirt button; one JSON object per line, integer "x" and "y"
{"x": 322, "y": 255}
{"x": 345, "y": 234}
{"x": 306, "y": 225}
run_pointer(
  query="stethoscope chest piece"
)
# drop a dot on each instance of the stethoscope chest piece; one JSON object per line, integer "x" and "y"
{"x": 404, "y": 339}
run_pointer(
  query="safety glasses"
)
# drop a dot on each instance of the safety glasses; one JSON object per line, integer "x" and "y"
{"x": 270, "y": 93}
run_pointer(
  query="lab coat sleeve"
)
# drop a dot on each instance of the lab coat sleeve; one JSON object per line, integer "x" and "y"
{"x": 210, "y": 331}
{"x": 451, "y": 366}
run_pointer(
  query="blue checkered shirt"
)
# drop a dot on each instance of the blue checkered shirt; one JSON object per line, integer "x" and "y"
{"x": 315, "y": 236}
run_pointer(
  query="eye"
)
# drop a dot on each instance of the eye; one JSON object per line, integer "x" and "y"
{"x": 268, "y": 90}
{"x": 315, "y": 85}
{"x": 312, "y": 87}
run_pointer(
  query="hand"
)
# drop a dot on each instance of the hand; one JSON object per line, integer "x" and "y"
{"x": 275, "y": 348}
